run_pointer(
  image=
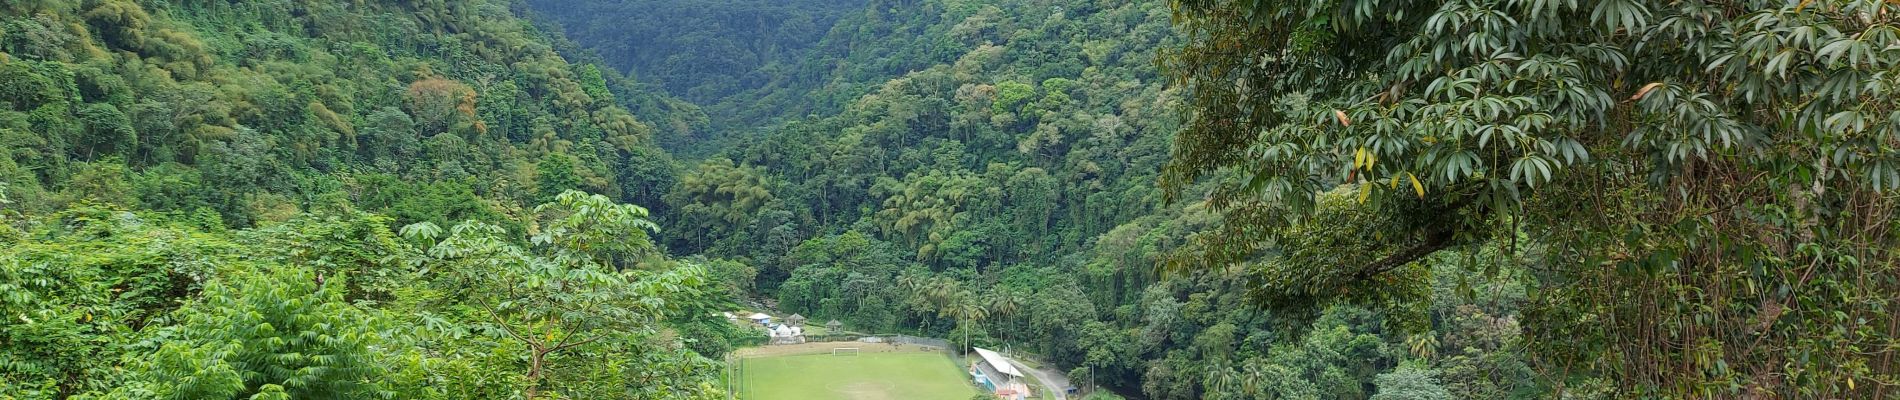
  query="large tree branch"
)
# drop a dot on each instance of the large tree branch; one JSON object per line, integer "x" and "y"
{"x": 496, "y": 318}
{"x": 1437, "y": 239}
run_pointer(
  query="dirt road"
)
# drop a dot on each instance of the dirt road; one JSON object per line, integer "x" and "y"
{"x": 1054, "y": 383}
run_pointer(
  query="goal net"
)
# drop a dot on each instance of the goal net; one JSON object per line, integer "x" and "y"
{"x": 844, "y": 351}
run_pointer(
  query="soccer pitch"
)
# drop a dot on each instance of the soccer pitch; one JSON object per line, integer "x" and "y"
{"x": 867, "y": 376}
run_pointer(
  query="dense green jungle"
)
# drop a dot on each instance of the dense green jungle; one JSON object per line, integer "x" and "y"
{"x": 1155, "y": 199}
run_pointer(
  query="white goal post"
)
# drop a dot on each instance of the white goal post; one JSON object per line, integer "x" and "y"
{"x": 844, "y": 351}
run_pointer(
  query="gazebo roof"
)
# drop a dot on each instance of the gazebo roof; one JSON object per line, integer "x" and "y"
{"x": 795, "y": 317}
{"x": 759, "y": 316}
{"x": 834, "y": 322}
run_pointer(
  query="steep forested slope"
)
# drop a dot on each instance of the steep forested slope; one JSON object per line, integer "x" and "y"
{"x": 994, "y": 181}
{"x": 214, "y": 199}
{"x": 755, "y": 63}
{"x": 1173, "y": 200}
{"x": 701, "y": 50}
{"x": 275, "y": 105}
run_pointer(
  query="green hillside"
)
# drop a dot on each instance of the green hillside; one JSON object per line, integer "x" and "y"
{"x": 1323, "y": 199}
{"x": 1184, "y": 199}
{"x": 277, "y": 105}
{"x": 202, "y": 199}
{"x": 1007, "y": 195}
{"x": 703, "y": 50}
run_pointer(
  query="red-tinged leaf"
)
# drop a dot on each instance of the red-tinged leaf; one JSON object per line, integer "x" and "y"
{"x": 1341, "y": 115}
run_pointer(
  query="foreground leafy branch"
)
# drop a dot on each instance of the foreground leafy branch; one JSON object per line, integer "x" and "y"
{"x": 1708, "y": 186}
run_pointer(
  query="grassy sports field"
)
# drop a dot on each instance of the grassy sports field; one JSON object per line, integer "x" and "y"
{"x": 870, "y": 375}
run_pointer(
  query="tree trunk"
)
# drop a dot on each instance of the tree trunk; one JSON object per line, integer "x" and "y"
{"x": 966, "y": 339}
{"x": 534, "y": 373}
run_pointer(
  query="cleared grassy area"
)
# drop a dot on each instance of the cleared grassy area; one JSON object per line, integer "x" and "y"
{"x": 868, "y": 376}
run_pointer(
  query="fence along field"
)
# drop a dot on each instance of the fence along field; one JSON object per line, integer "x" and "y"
{"x": 874, "y": 371}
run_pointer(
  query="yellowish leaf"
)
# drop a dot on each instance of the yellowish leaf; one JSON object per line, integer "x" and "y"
{"x": 1358, "y": 157}
{"x": 1416, "y": 186}
{"x": 1395, "y": 182}
{"x": 1645, "y": 90}
{"x": 1365, "y": 192}
{"x": 1850, "y": 380}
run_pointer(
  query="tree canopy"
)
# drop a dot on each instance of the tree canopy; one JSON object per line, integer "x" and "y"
{"x": 1189, "y": 199}
{"x": 1700, "y": 188}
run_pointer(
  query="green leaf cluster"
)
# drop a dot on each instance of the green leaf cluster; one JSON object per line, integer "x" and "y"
{"x": 1705, "y": 187}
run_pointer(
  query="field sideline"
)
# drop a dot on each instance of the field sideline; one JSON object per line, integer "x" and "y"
{"x": 880, "y": 372}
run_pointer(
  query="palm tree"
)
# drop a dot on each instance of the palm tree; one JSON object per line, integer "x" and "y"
{"x": 907, "y": 281}
{"x": 1423, "y": 345}
{"x": 1252, "y": 375}
{"x": 1004, "y": 304}
{"x": 1221, "y": 380}
{"x": 943, "y": 293}
{"x": 917, "y": 293}
{"x": 968, "y": 309}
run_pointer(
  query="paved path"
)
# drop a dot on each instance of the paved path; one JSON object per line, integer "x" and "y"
{"x": 1053, "y": 382}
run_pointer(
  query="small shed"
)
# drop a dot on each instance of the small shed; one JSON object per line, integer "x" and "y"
{"x": 760, "y": 318}
{"x": 795, "y": 320}
{"x": 834, "y": 327}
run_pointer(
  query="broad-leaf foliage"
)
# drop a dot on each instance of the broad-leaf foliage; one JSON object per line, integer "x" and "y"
{"x": 1709, "y": 184}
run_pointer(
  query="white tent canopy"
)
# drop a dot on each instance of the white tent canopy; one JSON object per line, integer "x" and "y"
{"x": 759, "y": 316}
{"x": 999, "y": 362}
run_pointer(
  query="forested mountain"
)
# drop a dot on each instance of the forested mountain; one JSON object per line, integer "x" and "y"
{"x": 1572, "y": 199}
{"x": 753, "y": 64}
{"x": 256, "y": 110}
{"x": 703, "y": 50}
{"x": 1007, "y": 195}
{"x": 199, "y": 199}
{"x": 1189, "y": 199}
